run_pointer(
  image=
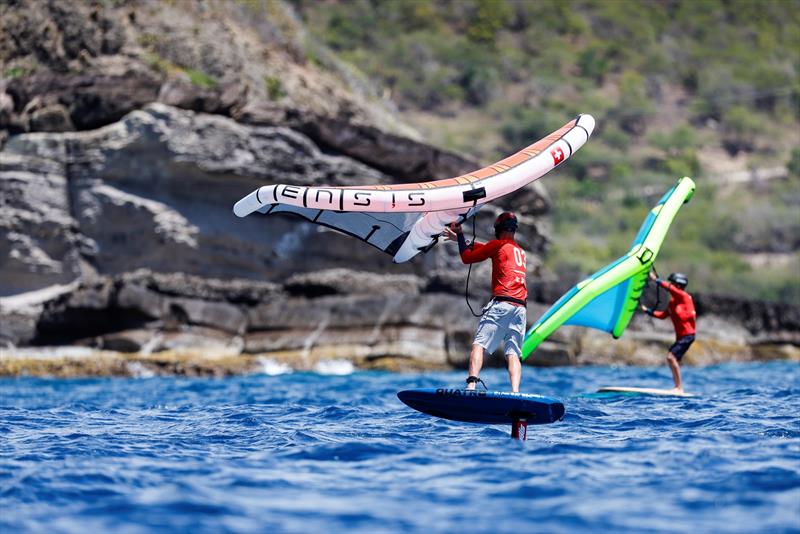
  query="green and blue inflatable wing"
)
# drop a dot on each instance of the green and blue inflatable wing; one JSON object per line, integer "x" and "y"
{"x": 607, "y": 299}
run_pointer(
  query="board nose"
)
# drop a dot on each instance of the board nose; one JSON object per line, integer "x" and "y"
{"x": 405, "y": 397}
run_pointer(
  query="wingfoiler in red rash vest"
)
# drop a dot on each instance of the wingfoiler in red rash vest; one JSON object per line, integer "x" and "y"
{"x": 680, "y": 310}
{"x": 503, "y": 319}
{"x": 508, "y": 266}
{"x": 682, "y": 313}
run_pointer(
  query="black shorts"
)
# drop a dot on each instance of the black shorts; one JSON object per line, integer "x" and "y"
{"x": 679, "y": 348}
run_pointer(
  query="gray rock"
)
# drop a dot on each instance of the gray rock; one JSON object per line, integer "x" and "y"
{"x": 171, "y": 211}
{"x": 150, "y": 228}
{"x": 92, "y": 100}
{"x": 423, "y": 345}
{"x": 198, "y": 339}
{"x": 432, "y": 328}
{"x": 85, "y": 311}
{"x": 276, "y": 340}
{"x": 343, "y": 281}
{"x": 553, "y": 354}
{"x": 395, "y": 155}
{"x": 39, "y": 245}
{"x": 141, "y": 299}
{"x": 95, "y": 293}
{"x": 129, "y": 341}
{"x": 532, "y": 200}
{"x": 57, "y": 33}
{"x": 6, "y": 107}
{"x": 757, "y": 316}
{"x": 140, "y": 212}
{"x": 218, "y": 315}
{"x": 181, "y": 92}
{"x": 236, "y": 291}
{"x": 52, "y": 118}
{"x": 358, "y": 311}
{"x": 18, "y": 326}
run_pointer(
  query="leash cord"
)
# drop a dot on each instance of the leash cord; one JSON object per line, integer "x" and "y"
{"x": 469, "y": 271}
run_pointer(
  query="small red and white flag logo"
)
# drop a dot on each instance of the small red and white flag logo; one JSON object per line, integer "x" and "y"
{"x": 558, "y": 155}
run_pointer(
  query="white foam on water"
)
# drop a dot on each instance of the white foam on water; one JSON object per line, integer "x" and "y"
{"x": 270, "y": 367}
{"x": 137, "y": 370}
{"x": 334, "y": 367}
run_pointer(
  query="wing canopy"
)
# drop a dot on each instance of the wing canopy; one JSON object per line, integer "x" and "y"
{"x": 607, "y": 300}
{"x": 385, "y": 231}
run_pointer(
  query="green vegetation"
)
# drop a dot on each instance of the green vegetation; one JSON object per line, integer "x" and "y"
{"x": 724, "y": 53}
{"x": 15, "y": 72}
{"x": 743, "y": 244}
{"x": 274, "y": 86}
{"x": 794, "y": 162}
{"x": 677, "y": 88}
{"x": 161, "y": 64}
{"x": 200, "y": 78}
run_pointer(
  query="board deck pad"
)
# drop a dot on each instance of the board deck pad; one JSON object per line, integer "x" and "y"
{"x": 643, "y": 391}
{"x": 487, "y": 407}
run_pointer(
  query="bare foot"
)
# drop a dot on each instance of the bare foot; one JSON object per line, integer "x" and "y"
{"x": 676, "y": 390}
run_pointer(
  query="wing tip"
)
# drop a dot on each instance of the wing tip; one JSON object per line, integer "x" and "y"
{"x": 587, "y": 122}
{"x": 248, "y": 204}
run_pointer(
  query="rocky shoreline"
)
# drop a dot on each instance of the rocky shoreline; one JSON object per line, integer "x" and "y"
{"x": 121, "y": 240}
{"x": 145, "y": 324}
{"x": 128, "y": 131}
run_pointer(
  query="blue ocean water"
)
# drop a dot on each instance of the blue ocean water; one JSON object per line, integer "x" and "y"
{"x": 314, "y": 453}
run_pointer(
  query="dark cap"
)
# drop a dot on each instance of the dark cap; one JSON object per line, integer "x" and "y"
{"x": 505, "y": 222}
{"x": 679, "y": 279}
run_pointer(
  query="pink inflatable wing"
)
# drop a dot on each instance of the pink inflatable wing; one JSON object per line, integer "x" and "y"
{"x": 406, "y": 219}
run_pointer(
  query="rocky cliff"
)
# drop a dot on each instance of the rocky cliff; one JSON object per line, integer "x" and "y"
{"x": 128, "y": 132}
{"x": 106, "y": 218}
{"x": 121, "y": 240}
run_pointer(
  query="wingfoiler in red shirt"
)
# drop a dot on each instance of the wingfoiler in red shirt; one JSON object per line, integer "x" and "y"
{"x": 508, "y": 266}
{"x": 680, "y": 310}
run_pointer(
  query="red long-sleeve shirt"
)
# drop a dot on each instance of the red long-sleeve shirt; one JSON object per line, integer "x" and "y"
{"x": 680, "y": 310}
{"x": 508, "y": 266}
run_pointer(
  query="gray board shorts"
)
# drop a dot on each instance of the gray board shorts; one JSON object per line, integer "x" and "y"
{"x": 501, "y": 321}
